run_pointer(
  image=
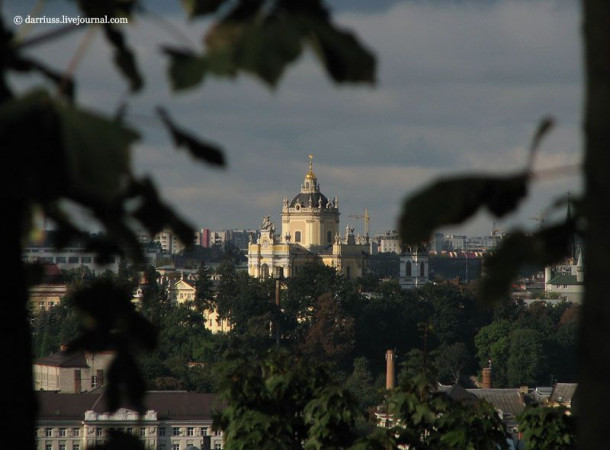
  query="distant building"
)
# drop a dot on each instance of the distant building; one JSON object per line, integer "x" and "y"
{"x": 414, "y": 267}
{"x": 388, "y": 242}
{"x": 183, "y": 291}
{"x": 50, "y": 291}
{"x": 70, "y": 257}
{"x": 173, "y": 420}
{"x": 566, "y": 281}
{"x": 71, "y": 372}
{"x": 309, "y": 233}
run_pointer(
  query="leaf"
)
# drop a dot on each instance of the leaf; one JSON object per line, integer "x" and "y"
{"x": 96, "y": 151}
{"x": 198, "y": 148}
{"x": 262, "y": 47}
{"x": 201, "y": 7}
{"x": 544, "y": 247}
{"x": 186, "y": 69}
{"x": 268, "y": 48}
{"x": 124, "y": 58}
{"x": 452, "y": 201}
{"x": 343, "y": 56}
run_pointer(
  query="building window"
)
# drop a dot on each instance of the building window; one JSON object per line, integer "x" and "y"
{"x": 86, "y": 260}
{"x": 75, "y": 446}
{"x": 175, "y": 446}
{"x": 408, "y": 269}
{"x": 60, "y": 259}
{"x": 93, "y": 381}
{"x": 129, "y": 430}
{"x": 297, "y": 236}
{"x": 75, "y": 432}
{"x": 62, "y": 446}
{"x": 329, "y": 237}
{"x": 48, "y": 432}
{"x": 204, "y": 431}
{"x": 72, "y": 259}
{"x": 161, "y": 431}
{"x": 143, "y": 432}
{"x": 98, "y": 432}
{"x": 217, "y": 446}
{"x": 175, "y": 431}
{"x": 190, "y": 431}
{"x": 62, "y": 432}
{"x": 422, "y": 270}
{"x": 48, "y": 447}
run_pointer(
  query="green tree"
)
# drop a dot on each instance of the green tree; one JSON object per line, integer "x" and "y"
{"x": 280, "y": 402}
{"x": 527, "y": 359}
{"x": 493, "y": 345}
{"x": 548, "y": 428}
{"x": 427, "y": 418}
{"x": 204, "y": 289}
{"x": 451, "y": 361}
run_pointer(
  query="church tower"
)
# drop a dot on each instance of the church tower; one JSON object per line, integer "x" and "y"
{"x": 310, "y": 219}
{"x": 413, "y": 268}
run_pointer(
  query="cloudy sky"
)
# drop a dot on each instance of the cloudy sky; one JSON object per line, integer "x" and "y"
{"x": 462, "y": 86}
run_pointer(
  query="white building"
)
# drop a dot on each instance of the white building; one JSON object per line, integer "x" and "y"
{"x": 173, "y": 420}
{"x": 567, "y": 281}
{"x": 414, "y": 269}
{"x": 71, "y": 372}
{"x": 388, "y": 242}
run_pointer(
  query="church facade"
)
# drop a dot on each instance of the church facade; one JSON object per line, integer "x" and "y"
{"x": 310, "y": 232}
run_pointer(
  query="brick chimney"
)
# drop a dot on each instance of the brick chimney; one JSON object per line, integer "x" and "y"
{"x": 389, "y": 378}
{"x": 487, "y": 381}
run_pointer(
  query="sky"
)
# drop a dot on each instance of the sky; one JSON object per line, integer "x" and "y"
{"x": 462, "y": 86}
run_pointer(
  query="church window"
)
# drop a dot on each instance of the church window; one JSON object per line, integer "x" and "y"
{"x": 297, "y": 236}
{"x": 408, "y": 269}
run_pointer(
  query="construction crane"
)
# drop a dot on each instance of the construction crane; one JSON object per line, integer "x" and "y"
{"x": 366, "y": 218}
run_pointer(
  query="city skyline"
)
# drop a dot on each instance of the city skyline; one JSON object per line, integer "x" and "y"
{"x": 461, "y": 88}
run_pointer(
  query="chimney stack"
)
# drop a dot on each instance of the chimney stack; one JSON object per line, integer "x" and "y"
{"x": 389, "y": 379}
{"x": 487, "y": 377}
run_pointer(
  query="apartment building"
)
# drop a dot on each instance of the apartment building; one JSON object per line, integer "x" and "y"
{"x": 173, "y": 420}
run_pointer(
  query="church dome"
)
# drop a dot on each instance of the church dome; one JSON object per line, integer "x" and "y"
{"x": 304, "y": 198}
{"x": 310, "y": 195}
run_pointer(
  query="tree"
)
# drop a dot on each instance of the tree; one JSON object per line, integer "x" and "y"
{"x": 451, "y": 360}
{"x": 427, "y": 418}
{"x": 282, "y": 402}
{"x": 331, "y": 335}
{"x": 527, "y": 358}
{"x": 204, "y": 289}
{"x": 493, "y": 344}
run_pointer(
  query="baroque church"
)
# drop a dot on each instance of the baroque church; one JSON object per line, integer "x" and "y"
{"x": 310, "y": 233}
